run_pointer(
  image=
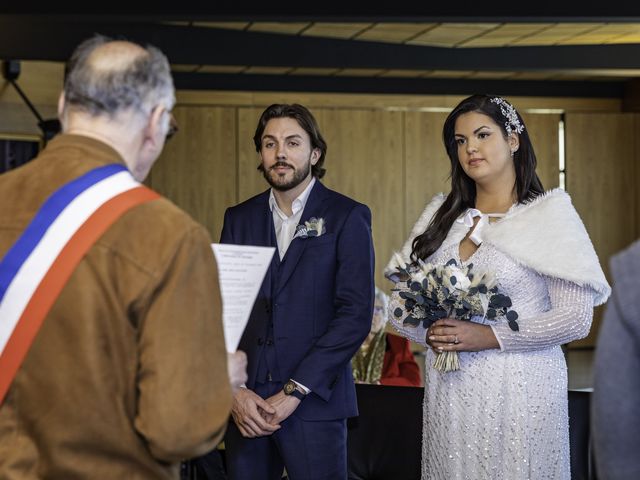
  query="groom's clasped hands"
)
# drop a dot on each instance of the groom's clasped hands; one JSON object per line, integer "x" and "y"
{"x": 257, "y": 417}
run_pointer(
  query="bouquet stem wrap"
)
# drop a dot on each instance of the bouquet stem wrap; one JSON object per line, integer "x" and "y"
{"x": 447, "y": 362}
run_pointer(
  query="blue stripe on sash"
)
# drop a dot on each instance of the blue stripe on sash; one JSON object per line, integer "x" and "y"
{"x": 48, "y": 212}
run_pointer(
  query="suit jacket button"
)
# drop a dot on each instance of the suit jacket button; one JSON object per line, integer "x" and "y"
{"x": 260, "y": 341}
{"x": 269, "y": 342}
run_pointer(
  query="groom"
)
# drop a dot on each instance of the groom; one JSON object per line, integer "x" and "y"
{"x": 312, "y": 313}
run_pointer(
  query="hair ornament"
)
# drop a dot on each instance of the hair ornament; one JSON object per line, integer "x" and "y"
{"x": 513, "y": 122}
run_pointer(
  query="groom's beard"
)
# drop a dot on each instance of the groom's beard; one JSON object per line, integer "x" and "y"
{"x": 280, "y": 183}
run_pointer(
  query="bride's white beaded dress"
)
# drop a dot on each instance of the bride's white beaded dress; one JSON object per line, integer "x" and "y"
{"x": 503, "y": 415}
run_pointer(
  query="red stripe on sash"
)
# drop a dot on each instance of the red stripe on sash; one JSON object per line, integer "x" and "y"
{"x": 56, "y": 277}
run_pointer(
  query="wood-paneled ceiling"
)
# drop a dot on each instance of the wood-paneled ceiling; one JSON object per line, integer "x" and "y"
{"x": 451, "y": 34}
{"x": 445, "y": 35}
{"x": 275, "y": 49}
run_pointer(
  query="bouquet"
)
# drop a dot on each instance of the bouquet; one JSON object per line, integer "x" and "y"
{"x": 453, "y": 291}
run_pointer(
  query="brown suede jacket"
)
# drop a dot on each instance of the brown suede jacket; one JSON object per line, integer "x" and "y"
{"x": 128, "y": 374}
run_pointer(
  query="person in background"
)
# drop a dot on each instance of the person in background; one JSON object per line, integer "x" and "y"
{"x": 616, "y": 387}
{"x": 385, "y": 358}
{"x": 113, "y": 361}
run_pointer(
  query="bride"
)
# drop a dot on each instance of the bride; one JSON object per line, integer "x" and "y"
{"x": 503, "y": 414}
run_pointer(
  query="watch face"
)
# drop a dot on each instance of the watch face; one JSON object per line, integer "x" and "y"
{"x": 289, "y": 387}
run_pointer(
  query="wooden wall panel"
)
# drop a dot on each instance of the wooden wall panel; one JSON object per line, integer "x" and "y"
{"x": 427, "y": 165}
{"x": 601, "y": 176}
{"x": 250, "y": 179}
{"x": 385, "y": 101}
{"x": 42, "y": 83}
{"x": 365, "y": 162}
{"x": 16, "y": 119}
{"x": 543, "y": 131}
{"x": 198, "y": 168}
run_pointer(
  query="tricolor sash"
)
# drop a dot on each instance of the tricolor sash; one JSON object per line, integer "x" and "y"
{"x": 35, "y": 269}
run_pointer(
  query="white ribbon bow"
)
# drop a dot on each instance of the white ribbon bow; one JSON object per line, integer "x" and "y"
{"x": 467, "y": 220}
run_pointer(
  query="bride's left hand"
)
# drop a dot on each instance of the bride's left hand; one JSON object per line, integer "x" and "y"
{"x": 449, "y": 335}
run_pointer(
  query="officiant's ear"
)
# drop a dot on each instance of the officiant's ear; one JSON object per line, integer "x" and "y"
{"x": 315, "y": 155}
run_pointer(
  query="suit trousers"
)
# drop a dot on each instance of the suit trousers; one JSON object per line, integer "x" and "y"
{"x": 308, "y": 450}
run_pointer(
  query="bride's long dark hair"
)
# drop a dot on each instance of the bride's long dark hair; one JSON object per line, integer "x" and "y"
{"x": 463, "y": 188}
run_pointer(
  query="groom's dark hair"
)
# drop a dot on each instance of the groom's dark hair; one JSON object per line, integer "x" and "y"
{"x": 305, "y": 119}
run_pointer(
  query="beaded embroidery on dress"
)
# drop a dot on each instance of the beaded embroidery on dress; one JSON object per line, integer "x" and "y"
{"x": 503, "y": 415}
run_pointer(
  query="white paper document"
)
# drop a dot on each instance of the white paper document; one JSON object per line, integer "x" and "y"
{"x": 241, "y": 269}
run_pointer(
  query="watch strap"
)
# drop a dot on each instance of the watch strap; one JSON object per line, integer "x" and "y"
{"x": 298, "y": 394}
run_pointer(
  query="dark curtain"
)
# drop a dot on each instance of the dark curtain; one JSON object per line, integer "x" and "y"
{"x": 14, "y": 153}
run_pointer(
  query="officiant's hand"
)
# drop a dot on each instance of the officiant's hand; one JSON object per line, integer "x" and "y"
{"x": 237, "y": 369}
{"x": 449, "y": 335}
{"x": 284, "y": 406}
{"x": 250, "y": 413}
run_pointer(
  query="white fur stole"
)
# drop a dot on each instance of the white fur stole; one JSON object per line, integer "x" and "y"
{"x": 546, "y": 235}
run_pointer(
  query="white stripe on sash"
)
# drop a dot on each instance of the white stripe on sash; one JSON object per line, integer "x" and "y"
{"x": 36, "y": 266}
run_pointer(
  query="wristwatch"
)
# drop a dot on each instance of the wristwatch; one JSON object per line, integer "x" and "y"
{"x": 290, "y": 388}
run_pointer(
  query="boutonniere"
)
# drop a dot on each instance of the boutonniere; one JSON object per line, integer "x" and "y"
{"x": 314, "y": 227}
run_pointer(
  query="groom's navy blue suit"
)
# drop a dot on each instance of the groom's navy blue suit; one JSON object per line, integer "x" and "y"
{"x": 312, "y": 313}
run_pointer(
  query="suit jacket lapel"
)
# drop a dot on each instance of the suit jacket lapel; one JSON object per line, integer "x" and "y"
{"x": 314, "y": 207}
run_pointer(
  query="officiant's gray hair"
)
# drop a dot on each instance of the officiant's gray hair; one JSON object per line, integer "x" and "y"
{"x": 139, "y": 84}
